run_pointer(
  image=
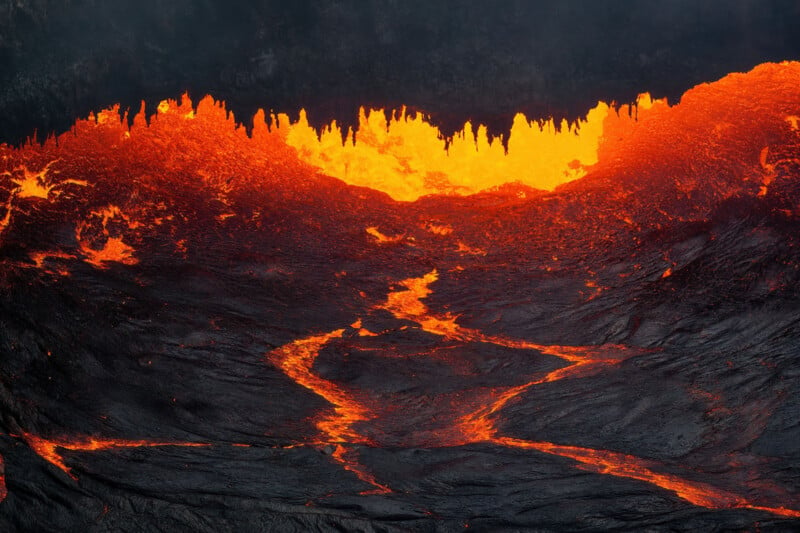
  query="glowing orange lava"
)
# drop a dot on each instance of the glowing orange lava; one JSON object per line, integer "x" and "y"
{"x": 628, "y": 466}
{"x": 406, "y": 156}
{"x": 48, "y": 448}
{"x": 103, "y": 247}
{"x": 296, "y": 360}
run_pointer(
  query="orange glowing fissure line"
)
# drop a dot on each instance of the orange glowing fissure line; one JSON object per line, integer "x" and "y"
{"x": 296, "y": 361}
{"x": 628, "y": 466}
{"x": 48, "y": 448}
{"x": 297, "y": 358}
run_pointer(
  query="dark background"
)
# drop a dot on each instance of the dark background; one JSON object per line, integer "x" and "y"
{"x": 59, "y": 59}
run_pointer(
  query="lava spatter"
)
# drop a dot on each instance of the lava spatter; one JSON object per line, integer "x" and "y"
{"x": 38, "y": 184}
{"x": 100, "y": 240}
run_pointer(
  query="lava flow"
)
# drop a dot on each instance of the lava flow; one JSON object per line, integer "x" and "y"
{"x": 652, "y": 251}
{"x": 622, "y": 465}
{"x": 48, "y": 448}
{"x": 296, "y": 360}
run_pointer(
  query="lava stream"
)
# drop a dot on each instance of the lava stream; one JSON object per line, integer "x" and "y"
{"x": 406, "y": 304}
{"x": 296, "y": 360}
{"x": 47, "y": 449}
{"x": 628, "y": 466}
{"x": 478, "y": 426}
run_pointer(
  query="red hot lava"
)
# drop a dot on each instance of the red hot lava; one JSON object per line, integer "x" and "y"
{"x": 114, "y": 188}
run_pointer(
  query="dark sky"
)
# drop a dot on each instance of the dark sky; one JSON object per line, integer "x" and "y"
{"x": 484, "y": 60}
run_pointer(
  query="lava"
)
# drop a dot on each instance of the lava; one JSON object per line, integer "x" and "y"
{"x": 47, "y": 449}
{"x": 113, "y": 195}
{"x": 111, "y": 247}
{"x": 384, "y": 239}
{"x": 406, "y": 156}
{"x": 628, "y": 466}
{"x": 296, "y": 361}
{"x": 478, "y": 426}
{"x": 36, "y": 184}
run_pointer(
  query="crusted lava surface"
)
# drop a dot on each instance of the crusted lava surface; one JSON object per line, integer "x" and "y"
{"x": 202, "y": 332}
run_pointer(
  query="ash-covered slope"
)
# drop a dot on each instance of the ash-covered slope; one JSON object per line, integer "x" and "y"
{"x": 200, "y": 332}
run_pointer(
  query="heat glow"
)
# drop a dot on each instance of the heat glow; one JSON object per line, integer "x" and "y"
{"x": 48, "y": 448}
{"x": 113, "y": 196}
{"x": 342, "y": 427}
{"x": 407, "y": 157}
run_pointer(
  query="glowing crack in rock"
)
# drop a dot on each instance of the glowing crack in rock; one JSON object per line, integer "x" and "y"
{"x": 3, "y": 489}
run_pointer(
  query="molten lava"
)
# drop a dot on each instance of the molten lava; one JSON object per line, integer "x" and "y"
{"x": 407, "y": 156}
{"x": 622, "y": 465}
{"x": 297, "y": 359}
{"x": 48, "y": 448}
{"x": 106, "y": 200}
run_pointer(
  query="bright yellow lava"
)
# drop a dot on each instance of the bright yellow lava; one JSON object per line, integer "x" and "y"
{"x": 407, "y": 156}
